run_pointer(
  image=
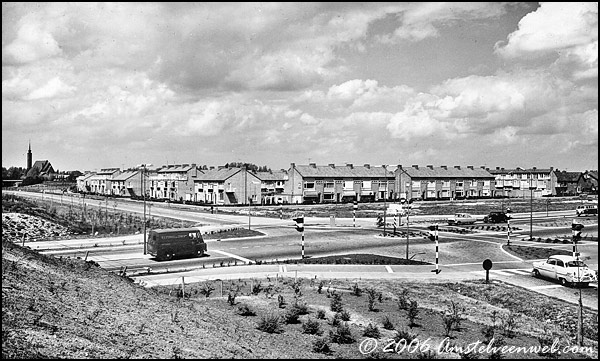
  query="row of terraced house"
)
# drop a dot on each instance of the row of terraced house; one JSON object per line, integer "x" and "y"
{"x": 332, "y": 183}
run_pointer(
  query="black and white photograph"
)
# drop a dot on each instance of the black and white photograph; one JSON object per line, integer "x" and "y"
{"x": 300, "y": 180}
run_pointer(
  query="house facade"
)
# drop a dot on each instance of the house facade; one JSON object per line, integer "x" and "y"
{"x": 173, "y": 182}
{"x": 333, "y": 184}
{"x": 521, "y": 182}
{"x": 127, "y": 184}
{"x": 272, "y": 186}
{"x": 100, "y": 182}
{"x": 227, "y": 186}
{"x": 443, "y": 182}
{"x": 83, "y": 182}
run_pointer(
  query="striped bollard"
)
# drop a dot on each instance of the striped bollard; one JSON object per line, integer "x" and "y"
{"x": 508, "y": 232}
{"x": 300, "y": 228}
{"x": 354, "y": 214}
{"x": 434, "y": 237}
{"x": 395, "y": 214}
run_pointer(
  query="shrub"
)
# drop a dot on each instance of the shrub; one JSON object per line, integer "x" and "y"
{"x": 372, "y": 296}
{"x": 356, "y": 291}
{"x": 344, "y": 315}
{"x": 302, "y": 308}
{"x": 292, "y": 315}
{"x": 509, "y": 323}
{"x": 413, "y": 313}
{"x": 312, "y": 327}
{"x": 321, "y": 345}
{"x": 281, "y": 301}
{"x": 207, "y": 289}
{"x": 403, "y": 301}
{"x": 388, "y": 324}
{"x": 256, "y": 288}
{"x": 321, "y": 314}
{"x": 336, "y": 321}
{"x": 270, "y": 324}
{"x": 372, "y": 331}
{"x": 402, "y": 334}
{"x": 336, "y": 302}
{"x": 320, "y": 287}
{"x": 245, "y": 310}
{"x": 231, "y": 298}
{"x": 341, "y": 334}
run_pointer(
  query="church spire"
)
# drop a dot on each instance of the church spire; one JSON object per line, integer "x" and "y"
{"x": 29, "y": 157}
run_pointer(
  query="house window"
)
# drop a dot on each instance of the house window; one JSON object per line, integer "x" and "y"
{"x": 309, "y": 185}
{"x": 459, "y": 183}
{"x": 366, "y": 184}
{"x": 416, "y": 184}
{"x": 445, "y": 183}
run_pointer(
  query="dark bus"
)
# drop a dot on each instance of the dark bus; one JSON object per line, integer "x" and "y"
{"x": 166, "y": 244}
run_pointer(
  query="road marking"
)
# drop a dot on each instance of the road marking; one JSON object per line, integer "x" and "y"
{"x": 248, "y": 261}
{"x": 522, "y": 271}
{"x": 543, "y": 287}
{"x": 502, "y": 273}
{"x": 245, "y": 247}
{"x": 389, "y": 269}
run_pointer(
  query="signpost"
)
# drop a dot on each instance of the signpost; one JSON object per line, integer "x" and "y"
{"x": 487, "y": 266}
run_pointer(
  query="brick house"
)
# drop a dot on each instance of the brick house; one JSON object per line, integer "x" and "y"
{"x": 443, "y": 182}
{"x": 518, "y": 181}
{"x": 332, "y": 184}
{"x": 173, "y": 182}
{"x": 272, "y": 186}
{"x": 225, "y": 186}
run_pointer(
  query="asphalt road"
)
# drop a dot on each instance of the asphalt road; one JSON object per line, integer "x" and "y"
{"x": 460, "y": 255}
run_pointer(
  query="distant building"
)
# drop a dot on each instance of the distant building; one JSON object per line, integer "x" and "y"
{"x": 43, "y": 169}
{"x": 520, "y": 182}
{"x": 591, "y": 181}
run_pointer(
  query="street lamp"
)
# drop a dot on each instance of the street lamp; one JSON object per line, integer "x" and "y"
{"x": 384, "y": 199}
{"x": 531, "y": 188}
{"x": 143, "y": 185}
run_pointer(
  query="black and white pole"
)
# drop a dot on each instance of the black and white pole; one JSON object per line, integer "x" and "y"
{"x": 300, "y": 228}
{"x": 280, "y": 211}
{"x": 395, "y": 214}
{"x": 576, "y": 228}
{"x": 434, "y": 236}
{"x": 354, "y": 214}
{"x": 508, "y": 232}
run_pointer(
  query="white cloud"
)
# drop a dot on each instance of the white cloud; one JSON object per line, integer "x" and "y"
{"x": 55, "y": 87}
{"x": 32, "y": 43}
{"x": 553, "y": 27}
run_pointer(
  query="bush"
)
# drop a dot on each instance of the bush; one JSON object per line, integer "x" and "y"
{"x": 281, "y": 301}
{"x": 413, "y": 313}
{"x": 402, "y": 334}
{"x": 321, "y": 345}
{"x": 256, "y": 288}
{"x": 403, "y": 301}
{"x": 292, "y": 315}
{"x": 341, "y": 334}
{"x": 207, "y": 289}
{"x": 356, "y": 291}
{"x": 344, "y": 315}
{"x": 302, "y": 308}
{"x": 320, "y": 287}
{"x": 245, "y": 310}
{"x": 373, "y": 295}
{"x": 321, "y": 314}
{"x": 372, "y": 331}
{"x": 231, "y": 298}
{"x": 388, "y": 324}
{"x": 270, "y": 324}
{"x": 336, "y": 302}
{"x": 312, "y": 327}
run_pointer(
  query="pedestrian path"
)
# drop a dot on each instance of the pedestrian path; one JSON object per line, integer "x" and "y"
{"x": 506, "y": 272}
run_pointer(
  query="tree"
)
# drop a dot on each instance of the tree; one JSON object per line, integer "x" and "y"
{"x": 73, "y": 175}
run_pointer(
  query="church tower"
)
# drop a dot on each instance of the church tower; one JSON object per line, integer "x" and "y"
{"x": 29, "y": 164}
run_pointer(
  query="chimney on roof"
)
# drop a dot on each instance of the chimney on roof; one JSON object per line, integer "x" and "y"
{"x": 482, "y": 167}
{"x": 503, "y": 168}
{"x": 416, "y": 166}
{"x": 470, "y": 166}
{"x": 314, "y": 165}
{"x": 487, "y": 168}
{"x": 457, "y": 166}
{"x": 212, "y": 167}
{"x": 332, "y": 165}
{"x": 534, "y": 168}
{"x": 444, "y": 167}
{"x": 349, "y": 165}
{"x": 221, "y": 167}
{"x": 399, "y": 166}
{"x": 367, "y": 165}
{"x": 430, "y": 166}
{"x": 184, "y": 165}
{"x": 497, "y": 168}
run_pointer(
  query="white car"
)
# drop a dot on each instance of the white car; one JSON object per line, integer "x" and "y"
{"x": 461, "y": 218}
{"x": 565, "y": 269}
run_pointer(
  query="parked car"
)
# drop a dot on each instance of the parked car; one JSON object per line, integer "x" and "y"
{"x": 496, "y": 217}
{"x": 585, "y": 209}
{"x": 461, "y": 218}
{"x": 565, "y": 269}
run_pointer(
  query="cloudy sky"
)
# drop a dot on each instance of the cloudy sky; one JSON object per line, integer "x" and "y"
{"x": 98, "y": 85}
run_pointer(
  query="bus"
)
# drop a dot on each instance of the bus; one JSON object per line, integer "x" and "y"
{"x": 166, "y": 244}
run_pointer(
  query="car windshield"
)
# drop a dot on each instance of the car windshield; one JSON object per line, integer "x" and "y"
{"x": 576, "y": 264}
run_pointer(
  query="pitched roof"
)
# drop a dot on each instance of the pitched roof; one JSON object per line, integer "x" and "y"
{"x": 343, "y": 171}
{"x": 176, "y": 168}
{"x": 42, "y": 167}
{"x": 125, "y": 175}
{"x": 447, "y": 172}
{"x": 217, "y": 174}
{"x": 519, "y": 170}
{"x": 564, "y": 176}
{"x": 272, "y": 176}
{"x": 108, "y": 171}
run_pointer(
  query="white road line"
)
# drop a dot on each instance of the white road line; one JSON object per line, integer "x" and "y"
{"x": 521, "y": 271}
{"x": 501, "y": 273}
{"x": 543, "y": 287}
{"x": 248, "y": 261}
{"x": 389, "y": 269}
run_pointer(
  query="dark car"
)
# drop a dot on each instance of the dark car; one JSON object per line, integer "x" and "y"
{"x": 496, "y": 217}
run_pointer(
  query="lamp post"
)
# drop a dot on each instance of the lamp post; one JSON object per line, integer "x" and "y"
{"x": 143, "y": 176}
{"x": 531, "y": 188}
{"x": 384, "y": 199}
